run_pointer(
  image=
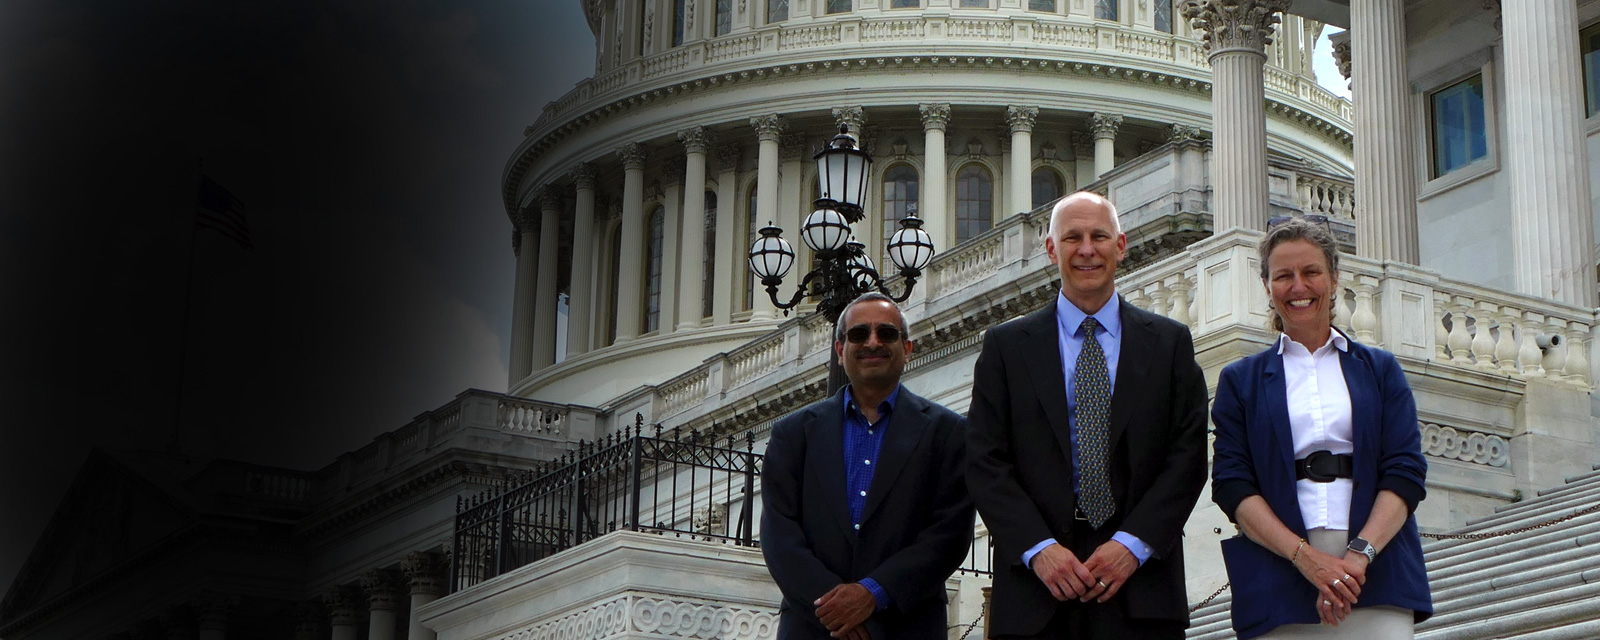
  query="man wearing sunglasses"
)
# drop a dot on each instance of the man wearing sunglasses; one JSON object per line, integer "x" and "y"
{"x": 1087, "y": 449}
{"x": 865, "y": 513}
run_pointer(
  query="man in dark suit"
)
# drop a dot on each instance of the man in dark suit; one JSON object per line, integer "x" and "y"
{"x": 864, "y": 512}
{"x": 1086, "y": 450}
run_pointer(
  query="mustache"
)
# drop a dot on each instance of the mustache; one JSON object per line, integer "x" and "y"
{"x": 881, "y": 352}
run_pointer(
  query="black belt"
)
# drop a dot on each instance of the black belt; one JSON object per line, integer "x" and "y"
{"x": 1323, "y": 466}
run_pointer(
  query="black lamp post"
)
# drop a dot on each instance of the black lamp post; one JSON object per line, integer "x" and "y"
{"x": 844, "y": 271}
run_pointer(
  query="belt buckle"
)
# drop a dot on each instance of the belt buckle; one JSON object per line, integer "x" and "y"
{"x": 1079, "y": 515}
{"x": 1313, "y": 473}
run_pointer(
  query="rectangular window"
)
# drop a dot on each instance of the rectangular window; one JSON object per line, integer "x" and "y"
{"x": 777, "y": 11}
{"x": 1164, "y": 15}
{"x": 1455, "y": 116}
{"x": 1042, "y": 5}
{"x": 724, "y": 17}
{"x": 838, "y": 6}
{"x": 1105, "y": 9}
{"x": 678, "y": 7}
{"x": 905, "y": 4}
{"x": 1589, "y": 42}
{"x": 976, "y": 4}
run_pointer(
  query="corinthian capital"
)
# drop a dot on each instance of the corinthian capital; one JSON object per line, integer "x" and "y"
{"x": 382, "y": 588}
{"x": 1105, "y": 125}
{"x": 769, "y": 128}
{"x": 935, "y": 115}
{"x": 549, "y": 198}
{"x": 425, "y": 572}
{"x": 1021, "y": 119}
{"x": 632, "y": 155}
{"x": 695, "y": 139}
{"x": 1182, "y": 133}
{"x": 854, "y": 117}
{"x": 1235, "y": 24}
{"x": 583, "y": 175}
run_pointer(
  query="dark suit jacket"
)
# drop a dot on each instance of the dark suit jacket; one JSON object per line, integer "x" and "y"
{"x": 1255, "y": 456}
{"x": 915, "y": 529}
{"x": 1020, "y": 459}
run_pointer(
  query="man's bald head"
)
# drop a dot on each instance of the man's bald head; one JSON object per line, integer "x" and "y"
{"x": 1083, "y": 201}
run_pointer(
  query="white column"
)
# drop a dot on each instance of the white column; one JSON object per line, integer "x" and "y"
{"x": 525, "y": 244}
{"x": 932, "y": 208}
{"x": 1104, "y": 126}
{"x": 1083, "y": 158}
{"x": 383, "y": 598}
{"x": 212, "y": 611}
{"x": 580, "y": 301}
{"x": 769, "y": 130}
{"x": 545, "y": 295}
{"x": 1236, "y": 33}
{"x": 630, "y": 272}
{"x": 1021, "y": 120}
{"x": 672, "y": 175}
{"x": 731, "y": 251}
{"x": 690, "y": 304}
{"x": 425, "y": 576}
{"x": 1552, "y": 220}
{"x": 789, "y": 214}
{"x": 1386, "y": 171}
{"x": 343, "y": 613}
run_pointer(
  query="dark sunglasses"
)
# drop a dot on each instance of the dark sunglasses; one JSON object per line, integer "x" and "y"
{"x": 887, "y": 333}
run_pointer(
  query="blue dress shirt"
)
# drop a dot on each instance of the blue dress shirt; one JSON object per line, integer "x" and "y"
{"x": 1069, "y": 324}
{"x": 862, "y": 442}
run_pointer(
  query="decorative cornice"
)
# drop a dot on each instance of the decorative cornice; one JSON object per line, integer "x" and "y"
{"x": 935, "y": 115}
{"x": 853, "y": 116}
{"x": 769, "y": 128}
{"x": 1105, "y": 125}
{"x": 695, "y": 139}
{"x": 1235, "y": 25}
{"x": 632, "y": 156}
{"x": 526, "y": 156}
{"x": 1021, "y": 119}
{"x": 583, "y": 176}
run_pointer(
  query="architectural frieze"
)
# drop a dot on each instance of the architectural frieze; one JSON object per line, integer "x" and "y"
{"x": 541, "y": 137}
{"x": 1466, "y": 446}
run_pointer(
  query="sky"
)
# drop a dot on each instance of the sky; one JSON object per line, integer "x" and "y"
{"x": 365, "y": 139}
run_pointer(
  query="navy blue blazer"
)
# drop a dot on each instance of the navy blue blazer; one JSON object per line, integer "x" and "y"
{"x": 1254, "y": 455}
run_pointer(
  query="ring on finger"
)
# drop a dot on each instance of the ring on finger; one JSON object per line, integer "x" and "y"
{"x": 1102, "y": 584}
{"x": 1327, "y": 603}
{"x": 1336, "y": 583}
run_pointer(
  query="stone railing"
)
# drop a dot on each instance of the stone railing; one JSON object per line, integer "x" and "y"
{"x": 1504, "y": 333}
{"x": 531, "y": 417}
{"x": 971, "y": 262}
{"x": 963, "y": 36}
{"x": 755, "y": 359}
{"x": 1331, "y": 196}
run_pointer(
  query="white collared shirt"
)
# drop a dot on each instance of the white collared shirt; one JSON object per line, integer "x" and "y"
{"x": 1319, "y": 419}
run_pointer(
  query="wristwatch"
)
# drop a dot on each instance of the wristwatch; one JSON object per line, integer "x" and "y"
{"x": 1361, "y": 546}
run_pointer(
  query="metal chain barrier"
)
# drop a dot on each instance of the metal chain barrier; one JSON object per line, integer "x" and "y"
{"x": 1507, "y": 532}
{"x": 968, "y": 631}
{"x": 1446, "y": 536}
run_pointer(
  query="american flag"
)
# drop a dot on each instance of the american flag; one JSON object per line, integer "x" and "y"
{"x": 219, "y": 210}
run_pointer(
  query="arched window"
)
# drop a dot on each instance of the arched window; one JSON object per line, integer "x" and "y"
{"x": 652, "y": 277}
{"x": 899, "y": 194}
{"x": 678, "y": 7}
{"x": 974, "y": 202}
{"x": 1164, "y": 15}
{"x": 1105, "y": 9}
{"x": 752, "y": 231}
{"x": 724, "y": 17}
{"x": 1046, "y": 186}
{"x": 839, "y": 6}
{"x": 709, "y": 269}
{"x": 777, "y": 11}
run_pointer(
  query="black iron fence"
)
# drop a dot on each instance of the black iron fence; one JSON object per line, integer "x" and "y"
{"x": 680, "y": 483}
{"x": 674, "y": 483}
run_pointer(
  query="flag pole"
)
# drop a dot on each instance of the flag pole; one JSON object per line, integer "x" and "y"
{"x": 175, "y": 444}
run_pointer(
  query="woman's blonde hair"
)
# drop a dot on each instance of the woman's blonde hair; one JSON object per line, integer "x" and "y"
{"x": 1298, "y": 229}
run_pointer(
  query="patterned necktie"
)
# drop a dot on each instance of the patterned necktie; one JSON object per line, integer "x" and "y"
{"x": 1092, "y": 385}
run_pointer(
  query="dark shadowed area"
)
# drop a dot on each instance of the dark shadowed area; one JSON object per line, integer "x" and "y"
{"x": 366, "y": 141}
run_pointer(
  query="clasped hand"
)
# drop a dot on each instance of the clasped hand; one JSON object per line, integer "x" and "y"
{"x": 1338, "y": 581}
{"x": 1098, "y": 578}
{"x": 844, "y": 608}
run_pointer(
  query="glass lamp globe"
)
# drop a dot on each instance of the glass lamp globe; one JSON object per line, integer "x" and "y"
{"x": 771, "y": 256}
{"x": 825, "y": 230}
